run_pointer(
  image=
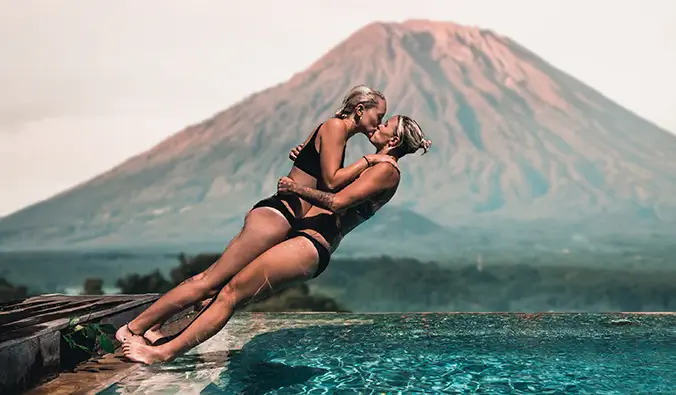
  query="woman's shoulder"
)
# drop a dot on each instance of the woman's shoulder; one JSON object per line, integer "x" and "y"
{"x": 332, "y": 124}
{"x": 390, "y": 169}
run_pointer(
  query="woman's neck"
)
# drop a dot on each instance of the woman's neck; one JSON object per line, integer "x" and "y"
{"x": 386, "y": 151}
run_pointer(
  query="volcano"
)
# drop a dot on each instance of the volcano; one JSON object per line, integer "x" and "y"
{"x": 517, "y": 144}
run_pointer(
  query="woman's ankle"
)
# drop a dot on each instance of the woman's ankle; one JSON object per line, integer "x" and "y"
{"x": 165, "y": 352}
{"x": 133, "y": 330}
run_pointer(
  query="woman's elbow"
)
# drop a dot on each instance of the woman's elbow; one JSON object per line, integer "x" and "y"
{"x": 338, "y": 206}
{"x": 331, "y": 185}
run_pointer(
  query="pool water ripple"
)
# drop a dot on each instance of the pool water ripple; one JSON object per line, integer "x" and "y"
{"x": 430, "y": 353}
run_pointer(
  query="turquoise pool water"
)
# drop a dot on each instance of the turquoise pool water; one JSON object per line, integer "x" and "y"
{"x": 424, "y": 353}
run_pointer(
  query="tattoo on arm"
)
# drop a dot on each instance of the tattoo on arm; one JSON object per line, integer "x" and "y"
{"x": 317, "y": 198}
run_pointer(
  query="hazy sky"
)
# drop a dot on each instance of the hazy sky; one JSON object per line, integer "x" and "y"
{"x": 84, "y": 84}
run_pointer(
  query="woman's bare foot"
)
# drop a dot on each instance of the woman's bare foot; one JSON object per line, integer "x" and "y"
{"x": 152, "y": 335}
{"x": 123, "y": 334}
{"x": 144, "y": 353}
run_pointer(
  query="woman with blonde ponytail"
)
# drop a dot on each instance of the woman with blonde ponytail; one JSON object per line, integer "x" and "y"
{"x": 306, "y": 252}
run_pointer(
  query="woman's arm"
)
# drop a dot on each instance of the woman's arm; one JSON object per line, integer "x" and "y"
{"x": 380, "y": 178}
{"x": 332, "y": 141}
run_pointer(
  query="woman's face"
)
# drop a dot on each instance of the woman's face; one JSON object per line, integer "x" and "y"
{"x": 385, "y": 134}
{"x": 371, "y": 118}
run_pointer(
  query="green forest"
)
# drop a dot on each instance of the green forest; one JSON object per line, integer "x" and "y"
{"x": 384, "y": 284}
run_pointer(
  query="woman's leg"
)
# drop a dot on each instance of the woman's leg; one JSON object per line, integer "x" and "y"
{"x": 263, "y": 228}
{"x": 289, "y": 262}
{"x": 155, "y": 333}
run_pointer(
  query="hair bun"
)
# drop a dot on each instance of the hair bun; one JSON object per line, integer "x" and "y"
{"x": 425, "y": 144}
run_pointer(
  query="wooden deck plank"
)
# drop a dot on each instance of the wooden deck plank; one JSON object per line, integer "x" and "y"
{"x": 37, "y": 315}
{"x": 18, "y": 323}
{"x": 81, "y": 309}
{"x": 30, "y": 331}
{"x": 32, "y": 307}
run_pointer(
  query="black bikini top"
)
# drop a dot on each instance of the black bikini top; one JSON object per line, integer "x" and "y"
{"x": 308, "y": 160}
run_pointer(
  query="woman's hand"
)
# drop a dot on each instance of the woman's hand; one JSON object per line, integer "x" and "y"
{"x": 295, "y": 151}
{"x": 285, "y": 185}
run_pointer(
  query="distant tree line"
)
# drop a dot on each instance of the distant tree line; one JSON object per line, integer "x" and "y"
{"x": 383, "y": 284}
{"x": 510, "y": 282}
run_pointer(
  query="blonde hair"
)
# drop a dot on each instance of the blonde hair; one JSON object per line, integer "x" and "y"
{"x": 411, "y": 137}
{"x": 360, "y": 94}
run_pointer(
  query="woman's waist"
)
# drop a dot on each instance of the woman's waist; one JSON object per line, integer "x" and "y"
{"x": 328, "y": 229}
{"x": 324, "y": 227}
{"x": 304, "y": 176}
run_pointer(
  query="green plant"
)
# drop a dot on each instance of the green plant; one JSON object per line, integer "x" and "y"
{"x": 85, "y": 336}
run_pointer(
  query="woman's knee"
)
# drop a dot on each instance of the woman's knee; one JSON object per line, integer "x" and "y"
{"x": 228, "y": 296}
{"x": 201, "y": 285}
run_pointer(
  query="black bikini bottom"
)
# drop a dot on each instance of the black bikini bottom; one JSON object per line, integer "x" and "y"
{"x": 324, "y": 254}
{"x": 276, "y": 202}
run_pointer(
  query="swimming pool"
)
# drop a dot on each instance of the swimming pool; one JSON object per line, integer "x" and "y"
{"x": 424, "y": 353}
